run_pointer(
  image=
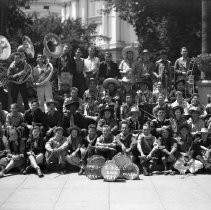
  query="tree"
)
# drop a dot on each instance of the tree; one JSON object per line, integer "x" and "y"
{"x": 163, "y": 23}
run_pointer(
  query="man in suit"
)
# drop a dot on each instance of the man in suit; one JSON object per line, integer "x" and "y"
{"x": 108, "y": 69}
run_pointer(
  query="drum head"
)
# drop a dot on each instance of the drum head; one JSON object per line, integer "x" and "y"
{"x": 93, "y": 167}
{"x": 121, "y": 160}
{"x": 130, "y": 171}
{"x": 110, "y": 171}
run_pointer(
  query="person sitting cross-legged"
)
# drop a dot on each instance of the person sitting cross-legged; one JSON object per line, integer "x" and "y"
{"x": 35, "y": 149}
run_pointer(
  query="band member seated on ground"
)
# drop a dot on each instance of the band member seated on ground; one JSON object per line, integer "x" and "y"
{"x": 35, "y": 116}
{"x": 74, "y": 118}
{"x": 135, "y": 120}
{"x": 167, "y": 146}
{"x": 4, "y": 144}
{"x": 3, "y": 115}
{"x": 105, "y": 145}
{"x": 161, "y": 103}
{"x": 44, "y": 92}
{"x": 16, "y": 70}
{"x": 15, "y": 154}
{"x": 195, "y": 122}
{"x": 56, "y": 150}
{"x": 92, "y": 90}
{"x": 107, "y": 118}
{"x": 158, "y": 124}
{"x": 184, "y": 155}
{"x": 126, "y": 142}
{"x": 77, "y": 149}
{"x": 201, "y": 147}
{"x": 177, "y": 118}
{"x": 53, "y": 118}
{"x": 35, "y": 149}
{"x": 108, "y": 69}
{"x": 126, "y": 107}
{"x": 180, "y": 85}
{"x": 91, "y": 107}
{"x": 181, "y": 101}
{"x": 73, "y": 97}
{"x": 147, "y": 146}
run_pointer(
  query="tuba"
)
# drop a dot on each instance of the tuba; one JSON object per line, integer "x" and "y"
{"x": 52, "y": 45}
{"x": 5, "y": 48}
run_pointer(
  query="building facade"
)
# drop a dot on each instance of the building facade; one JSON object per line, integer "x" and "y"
{"x": 112, "y": 33}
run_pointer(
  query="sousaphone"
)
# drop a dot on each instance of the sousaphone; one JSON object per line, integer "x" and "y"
{"x": 5, "y": 48}
{"x": 53, "y": 45}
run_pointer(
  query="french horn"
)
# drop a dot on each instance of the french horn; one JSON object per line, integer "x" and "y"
{"x": 5, "y": 48}
{"x": 52, "y": 45}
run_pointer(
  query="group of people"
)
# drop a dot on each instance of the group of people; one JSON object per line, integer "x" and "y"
{"x": 145, "y": 110}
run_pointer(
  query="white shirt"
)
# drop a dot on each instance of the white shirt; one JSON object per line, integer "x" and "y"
{"x": 91, "y": 65}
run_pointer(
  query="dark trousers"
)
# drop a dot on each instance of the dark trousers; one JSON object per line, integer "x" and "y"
{"x": 15, "y": 89}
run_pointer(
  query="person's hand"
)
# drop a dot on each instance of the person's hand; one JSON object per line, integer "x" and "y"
{"x": 149, "y": 156}
{"x": 123, "y": 148}
{"x": 172, "y": 157}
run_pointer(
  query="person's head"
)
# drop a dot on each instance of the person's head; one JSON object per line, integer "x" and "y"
{"x": 72, "y": 108}
{"x": 165, "y": 133}
{"x": 90, "y": 100}
{"x": 58, "y": 132}
{"x": 17, "y": 57}
{"x": 179, "y": 96}
{"x": 66, "y": 48}
{"x": 130, "y": 55}
{"x": 107, "y": 98}
{"x": 78, "y": 53}
{"x": 134, "y": 113}
{"x": 13, "y": 134}
{"x": 146, "y": 129}
{"x": 195, "y": 99}
{"x": 34, "y": 105}
{"x": 128, "y": 99}
{"x": 36, "y": 132}
{"x": 195, "y": 114}
{"x": 92, "y": 130}
{"x": 161, "y": 113}
{"x": 107, "y": 114}
{"x": 125, "y": 128}
{"x": 177, "y": 113}
{"x": 184, "y": 51}
{"x": 41, "y": 59}
{"x": 204, "y": 134}
{"x": 184, "y": 130}
{"x": 106, "y": 131}
{"x": 108, "y": 57}
{"x": 181, "y": 85}
{"x": 14, "y": 108}
{"x": 163, "y": 54}
{"x": 51, "y": 106}
{"x": 160, "y": 99}
{"x": 111, "y": 86}
{"x": 159, "y": 86}
{"x": 91, "y": 51}
{"x": 92, "y": 83}
{"x": 143, "y": 86}
{"x": 74, "y": 92}
{"x": 145, "y": 55}
{"x": 74, "y": 132}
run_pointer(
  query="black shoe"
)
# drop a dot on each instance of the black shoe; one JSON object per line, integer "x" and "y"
{"x": 27, "y": 170}
{"x": 81, "y": 171}
{"x": 39, "y": 172}
{"x": 145, "y": 172}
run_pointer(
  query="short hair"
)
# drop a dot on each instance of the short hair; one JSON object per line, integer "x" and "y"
{"x": 146, "y": 125}
{"x": 92, "y": 126}
{"x": 184, "y": 48}
{"x": 195, "y": 94}
{"x": 107, "y": 126}
{"x": 67, "y": 44}
{"x": 108, "y": 53}
{"x": 92, "y": 48}
{"x": 17, "y": 54}
{"x": 124, "y": 122}
{"x": 74, "y": 88}
{"x": 35, "y": 101}
{"x": 163, "y": 52}
{"x": 36, "y": 128}
{"x": 178, "y": 93}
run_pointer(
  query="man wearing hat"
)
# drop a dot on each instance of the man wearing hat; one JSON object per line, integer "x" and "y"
{"x": 108, "y": 69}
{"x": 107, "y": 118}
{"x": 195, "y": 122}
{"x": 129, "y": 62}
{"x": 56, "y": 149}
{"x": 72, "y": 117}
{"x": 160, "y": 123}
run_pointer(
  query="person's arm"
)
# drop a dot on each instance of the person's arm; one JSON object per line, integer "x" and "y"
{"x": 63, "y": 146}
{"x": 48, "y": 145}
{"x": 139, "y": 147}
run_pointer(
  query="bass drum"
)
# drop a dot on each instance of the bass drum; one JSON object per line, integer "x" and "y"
{"x": 93, "y": 167}
{"x": 130, "y": 171}
{"x": 45, "y": 76}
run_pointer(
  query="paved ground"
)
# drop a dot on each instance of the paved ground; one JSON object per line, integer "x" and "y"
{"x": 58, "y": 192}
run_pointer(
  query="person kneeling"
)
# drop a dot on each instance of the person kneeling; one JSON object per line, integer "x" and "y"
{"x": 35, "y": 148}
{"x": 56, "y": 149}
